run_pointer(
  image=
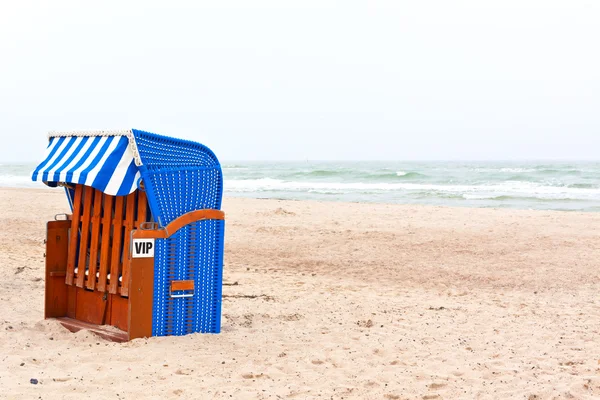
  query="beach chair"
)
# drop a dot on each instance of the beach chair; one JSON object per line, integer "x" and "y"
{"x": 141, "y": 252}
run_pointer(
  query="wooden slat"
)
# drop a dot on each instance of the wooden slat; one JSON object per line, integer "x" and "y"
{"x": 74, "y": 234}
{"x": 86, "y": 216}
{"x": 94, "y": 244}
{"x": 142, "y": 204}
{"x": 128, "y": 224}
{"x": 115, "y": 262}
{"x": 105, "y": 247}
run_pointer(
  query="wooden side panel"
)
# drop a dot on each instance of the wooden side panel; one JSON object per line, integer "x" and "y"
{"x": 71, "y": 301}
{"x": 57, "y": 246}
{"x": 119, "y": 316}
{"x": 128, "y": 225}
{"x": 91, "y": 306}
{"x": 141, "y": 293}
{"x": 115, "y": 262}
{"x": 86, "y": 215}
{"x": 94, "y": 243}
{"x": 74, "y": 234}
{"x": 105, "y": 249}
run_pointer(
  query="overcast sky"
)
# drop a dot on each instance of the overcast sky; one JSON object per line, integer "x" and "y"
{"x": 320, "y": 80}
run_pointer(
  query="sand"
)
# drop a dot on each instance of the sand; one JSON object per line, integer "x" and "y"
{"x": 335, "y": 301}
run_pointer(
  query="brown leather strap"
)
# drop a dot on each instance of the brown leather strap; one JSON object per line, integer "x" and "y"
{"x": 179, "y": 223}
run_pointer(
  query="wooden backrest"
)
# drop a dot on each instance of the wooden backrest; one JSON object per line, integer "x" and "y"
{"x": 99, "y": 239}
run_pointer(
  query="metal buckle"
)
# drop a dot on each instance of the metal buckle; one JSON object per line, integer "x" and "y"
{"x": 148, "y": 226}
{"x": 180, "y": 296}
{"x": 58, "y": 215}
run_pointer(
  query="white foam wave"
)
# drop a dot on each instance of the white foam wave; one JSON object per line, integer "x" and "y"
{"x": 401, "y": 173}
{"x": 478, "y": 196}
{"x": 517, "y": 170}
{"x": 512, "y": 170}
{"x": 17, "y": 181}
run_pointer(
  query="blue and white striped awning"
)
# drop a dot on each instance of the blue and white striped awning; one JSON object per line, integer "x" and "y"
{"x": 103, "y": 160}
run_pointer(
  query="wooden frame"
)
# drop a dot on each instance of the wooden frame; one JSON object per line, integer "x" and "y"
{"x": 99, "y": 224}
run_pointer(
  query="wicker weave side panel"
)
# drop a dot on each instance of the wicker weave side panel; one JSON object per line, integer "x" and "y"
{"x": 195, "y": 253}
{"x": 172, "y": 193}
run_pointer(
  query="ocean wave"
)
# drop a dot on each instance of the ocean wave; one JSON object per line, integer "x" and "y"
{"x": 392, "y": 176}
{"x": 522, "y": 178}
{"x": 522, "y": 198}
{"x": 526, "y": 185}
{"x": 551, "y": 171}
{"x": 324, "y": 173}
{"x": 354, "y": 175}
{"x": 540, "y": 170}
{"x": 517, "y": 170}
{"x": 18, "y": 181}
{"x": 503, "y": 188}
{"x": 410, "y": 175}
{"x": 234, "y": 168}
{"x": 511, "y": 170}
{"x": 582, "y": 186}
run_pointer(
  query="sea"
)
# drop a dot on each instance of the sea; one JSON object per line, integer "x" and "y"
{"x": 564, "y": 186}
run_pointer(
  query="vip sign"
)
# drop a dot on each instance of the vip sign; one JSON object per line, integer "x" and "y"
{"x": 143, "y": 248}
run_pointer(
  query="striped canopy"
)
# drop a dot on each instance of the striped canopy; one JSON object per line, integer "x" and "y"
{"x": 103, "y": 160}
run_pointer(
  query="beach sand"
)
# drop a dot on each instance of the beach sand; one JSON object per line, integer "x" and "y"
{"x": 335, "y": 301}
